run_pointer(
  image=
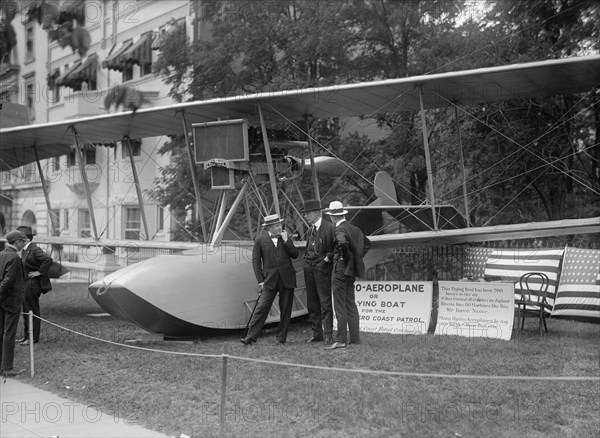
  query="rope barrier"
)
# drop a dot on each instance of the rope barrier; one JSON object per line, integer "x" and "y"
{"x": 224, "y": 356}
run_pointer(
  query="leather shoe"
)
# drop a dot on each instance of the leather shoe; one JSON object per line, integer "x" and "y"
{"x": 18, "y": 341}
{"x": 12, "y": 373}
{"x": 26, "y": 342}
{"x": 336, "y": 346}
{"x": 247, "y": 341}
{"x": 314, "y": 339}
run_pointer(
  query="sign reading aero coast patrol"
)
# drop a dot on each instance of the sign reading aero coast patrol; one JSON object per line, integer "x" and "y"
{"x": 476, "y": 309}
{"x": 394, "y": 306}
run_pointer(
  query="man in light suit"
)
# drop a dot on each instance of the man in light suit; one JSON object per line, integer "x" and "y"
{"x": 347, "y": 265}
{"x": 12, "y": 283}
{"x": 318, "y": 264}
{"x": 272, "y": 263}
{"x": 36, "y": 264}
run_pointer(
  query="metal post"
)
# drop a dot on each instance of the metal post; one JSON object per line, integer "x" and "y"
{"x": 462, "y": 168}
{"x": 86, "y": 184}
{"x": 269, "y": 162}
{"x": 427, "y": 160}
{"x": 136, "y": 182}
{"x": 53, "y": 227}
{"x": 31, "y": 361}
{"x": 194, "y": 173}
{"x": 223, "y": 391}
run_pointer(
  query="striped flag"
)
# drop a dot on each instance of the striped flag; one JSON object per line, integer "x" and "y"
{"x": 511, "y": 264}
{"x": 475, "y": 258}
{"x": 579, "y": 289}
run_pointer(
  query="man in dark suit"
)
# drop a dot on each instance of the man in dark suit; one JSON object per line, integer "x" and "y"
{"x": 272, "y": 262}
{"x": 36, "y": 264}
{"x": 348, "y": 264}
{"x": 318, "y": 263}
{"x": 12, "y": 283}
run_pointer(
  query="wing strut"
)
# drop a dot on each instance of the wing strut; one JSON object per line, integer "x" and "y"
{"x": 136, "y": 183}
{"x": 53, "y": 227}
{"x": 269, "y": 161}
{"x": 221, "y": 229}
{"x": 313, "y": 171}
{"x": 84, "y": 179}
{"x": 427, "y": 160}
{"x": 199, "y": 212}
{"x": 462, "y": 167}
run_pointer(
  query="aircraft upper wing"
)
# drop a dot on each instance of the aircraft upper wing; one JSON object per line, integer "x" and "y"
{"x": 516, "y": 81}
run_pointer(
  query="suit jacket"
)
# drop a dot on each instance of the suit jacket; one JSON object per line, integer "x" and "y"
{"x": 350, "y": 246}
{"x": 35, "y": 259}
{"x": 12, "y": 280}
{"x": 324, "y": 243}
{"x": 271, "y": 263}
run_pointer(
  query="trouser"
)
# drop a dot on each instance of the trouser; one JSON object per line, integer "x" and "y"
{"x": 318, "y": 299}
{"x": 346, "y": 311}
{"x": 9, "y": 322}
{"x": 286, "y": 302}
{"x": 31, "y": 301}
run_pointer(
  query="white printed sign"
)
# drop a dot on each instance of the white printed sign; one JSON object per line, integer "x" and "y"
{"x": 476, "y": 309}
{"x": 394, "y": 306}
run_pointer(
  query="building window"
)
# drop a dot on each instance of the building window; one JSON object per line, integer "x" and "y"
{"x": 29, "y": 40}
{"x": 85, "y": 223}
{"x": 145, "y": 68}
{"x": 66, "y": 219}
{"x": 55, "y": 217}
{"x": 133, "y": 222}
{"x": 127, "y": 72}
{"x": 72, "y": 158}
{"x": 160, "y": 218}
{"x": 90, "y": 155}
{"x": 136, "y": 148}
{"x": 31, "y": 97}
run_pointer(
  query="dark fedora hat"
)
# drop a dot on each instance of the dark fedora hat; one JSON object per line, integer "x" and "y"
{"x": 312, "y": 205}
{"x": 26, "y": 229}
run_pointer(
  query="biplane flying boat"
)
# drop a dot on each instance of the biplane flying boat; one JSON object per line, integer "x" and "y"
{"x": 211, "y": 284}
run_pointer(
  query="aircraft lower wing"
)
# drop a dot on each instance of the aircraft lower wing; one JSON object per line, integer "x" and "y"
{"x": 482, "y": 234}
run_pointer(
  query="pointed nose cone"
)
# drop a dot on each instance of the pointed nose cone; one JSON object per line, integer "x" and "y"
{"x": 123, "y": 304}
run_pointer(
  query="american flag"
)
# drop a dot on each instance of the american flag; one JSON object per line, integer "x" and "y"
{"x": 579, "y": 288}
{"x": 475, "y": 258}
{"x": 511, "y": 264}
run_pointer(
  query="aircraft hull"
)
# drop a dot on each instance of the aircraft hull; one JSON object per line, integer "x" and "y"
{"x": 183, "y": 295}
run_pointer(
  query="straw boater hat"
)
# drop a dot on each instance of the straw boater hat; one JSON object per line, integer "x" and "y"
{"x": 272, "y": 220}
{"x": 336, "y": 209}
{"x": 13, "y": 236}
{"x": 312, "y": 205}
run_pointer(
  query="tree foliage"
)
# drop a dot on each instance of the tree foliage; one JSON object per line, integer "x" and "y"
{"x": 521, "y": 156}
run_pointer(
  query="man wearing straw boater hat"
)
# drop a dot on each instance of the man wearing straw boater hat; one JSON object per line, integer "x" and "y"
{"x": 272, "y": 262}
{"x": 347, "y": 265}
{"x": 318, "y": 263}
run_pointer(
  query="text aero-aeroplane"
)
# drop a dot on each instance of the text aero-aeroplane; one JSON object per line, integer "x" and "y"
{"x": 212, "y": 284}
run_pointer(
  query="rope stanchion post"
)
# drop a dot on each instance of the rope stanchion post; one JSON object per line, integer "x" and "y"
{"x": 31, "y": 361}
{"x": 223, "y": 391}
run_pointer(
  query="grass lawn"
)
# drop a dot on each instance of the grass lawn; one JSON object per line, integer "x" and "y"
{"x": 180, "y": 394}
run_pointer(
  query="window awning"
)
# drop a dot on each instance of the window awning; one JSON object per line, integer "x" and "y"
{"x": 113, "y": 61}
{"x": 79, "y": 72}
{"x": 139, "y": 53}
